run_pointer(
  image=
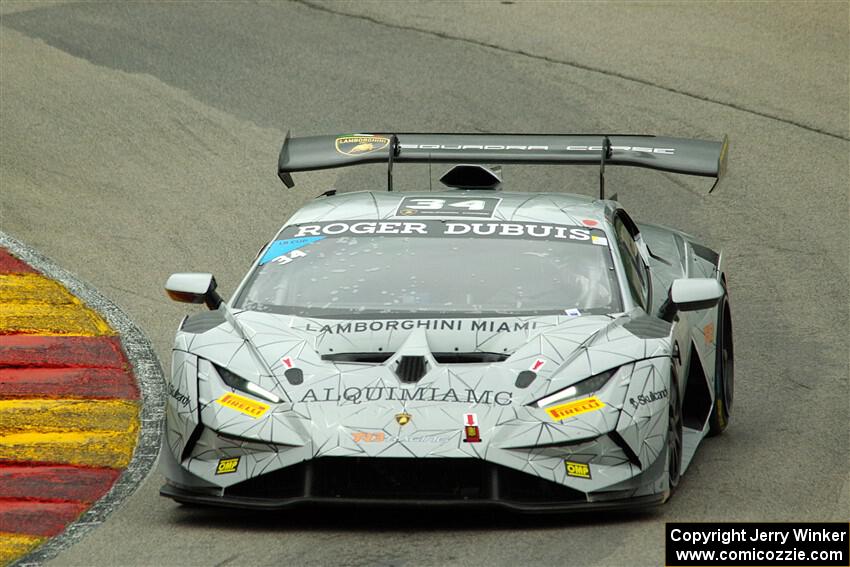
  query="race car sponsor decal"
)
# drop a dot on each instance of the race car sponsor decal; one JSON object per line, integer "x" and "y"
{"x": 280, "y": 248}
{"x": 178, "y": 396}
{"x": 359, "y": 144}
{"x": 530, "y": 148}
{"x": 367, "y": 436}
{"x": 382, "y": 437}
{"x": 600, "y": 240}
{"x": 573, "y": 312}
{"x": 648, "y": 398}
{"x": 284, "y": 259}
{"x": 708, "y": 333}
{"x": 493, "y": 147}
{"x": 242, "y": 404}
{"x": 578, "y": 470}
{"x": 447, "y": 206}
{"x": 487, "y": 326}
{"x": 472, "y": 434}
{"x": 358, "y": 395}
{"x": 451, "y": 229}
{"x": 537, "y": 364}
{"x": 572, "y": 409}
{"x": 589, "y": 222}
{"x": 287, "y": 361}
{"x": 227, "y": 466}
{"x": 641, "y": 149}
{"x": 470, "y": 428}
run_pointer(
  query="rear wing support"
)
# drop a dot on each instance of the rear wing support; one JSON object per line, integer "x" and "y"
{"x": 606, "y": 154}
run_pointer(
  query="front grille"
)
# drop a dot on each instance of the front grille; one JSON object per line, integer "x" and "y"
{"x": 404, "y": 479}
{"x": 282, "y": 483}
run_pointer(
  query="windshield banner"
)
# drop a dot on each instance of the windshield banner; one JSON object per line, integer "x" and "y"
{"x": 448, "y": 229}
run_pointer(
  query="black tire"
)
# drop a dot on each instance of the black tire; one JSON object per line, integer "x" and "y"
{"x": 674, "y": 434}
{"x": 724, "y": 374}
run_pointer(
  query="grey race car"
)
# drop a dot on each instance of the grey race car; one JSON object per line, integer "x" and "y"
{"x": 537, "y": 351}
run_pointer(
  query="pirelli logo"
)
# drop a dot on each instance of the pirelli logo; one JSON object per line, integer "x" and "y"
{"x": 572, "y": 409}
{"x": 244, "y": 405}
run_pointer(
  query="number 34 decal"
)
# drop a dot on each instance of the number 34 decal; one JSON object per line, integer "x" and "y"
{"x": 447, "y": 206}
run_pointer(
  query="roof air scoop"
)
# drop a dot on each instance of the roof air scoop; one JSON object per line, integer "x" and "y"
{"x": 470, "y": 176}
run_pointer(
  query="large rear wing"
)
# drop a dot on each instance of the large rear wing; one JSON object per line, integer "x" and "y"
{"x": 676, "y": 155}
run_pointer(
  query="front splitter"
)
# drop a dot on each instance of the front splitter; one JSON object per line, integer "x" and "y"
{"x": 189, "y": 497}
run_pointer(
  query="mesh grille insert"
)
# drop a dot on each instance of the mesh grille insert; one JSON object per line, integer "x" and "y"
{"x": 411, "y": 368}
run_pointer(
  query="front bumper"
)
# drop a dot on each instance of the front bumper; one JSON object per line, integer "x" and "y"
{"x": 407, "y": 482}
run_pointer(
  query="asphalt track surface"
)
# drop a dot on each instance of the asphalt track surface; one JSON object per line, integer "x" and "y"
{"x": 140, "y": 139}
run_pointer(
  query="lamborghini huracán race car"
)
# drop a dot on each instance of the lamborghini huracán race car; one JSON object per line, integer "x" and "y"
{"x": 536, "y": 351}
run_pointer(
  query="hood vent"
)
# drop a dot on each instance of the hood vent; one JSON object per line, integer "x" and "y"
{"x": 440, "y": 357}
{"x": 411, "y": 369}
{"x": 469, "y": 357}
{"x": 363, "y": 357}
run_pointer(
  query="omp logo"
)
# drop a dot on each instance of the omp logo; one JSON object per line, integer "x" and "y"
{"x": 578, "y": 470}
{"x": 227, "y": 466}
{"x": 572, "y": 409}
{"x": 244, "y": 405}
{"x": 359, "y": 144}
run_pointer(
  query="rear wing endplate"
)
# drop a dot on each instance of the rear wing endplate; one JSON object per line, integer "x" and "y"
{"x": 676, "y": 155}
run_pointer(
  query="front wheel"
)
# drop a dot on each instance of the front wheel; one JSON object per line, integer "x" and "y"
{"x": 724, "y": 373}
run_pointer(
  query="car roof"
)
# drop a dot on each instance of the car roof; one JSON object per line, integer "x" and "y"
{"x": 559, "y": 208}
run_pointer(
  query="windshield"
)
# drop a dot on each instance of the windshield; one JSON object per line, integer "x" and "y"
{"x": 387, "y": 268}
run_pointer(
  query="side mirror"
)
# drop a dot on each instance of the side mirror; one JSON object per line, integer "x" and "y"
{"x": 193, "y": 288}
{"x": 690, "y": 294}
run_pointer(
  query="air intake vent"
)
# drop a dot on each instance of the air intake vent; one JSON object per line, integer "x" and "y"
{"x": 468, "y": 357}
{"x": 363, "y": 357}
{"x": 470, "y": 176}
{"x": 411, "y": 369}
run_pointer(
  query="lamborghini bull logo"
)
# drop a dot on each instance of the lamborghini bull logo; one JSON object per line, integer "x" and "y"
{"x": 359, "y": 144}
{"x": 403, "y": 418}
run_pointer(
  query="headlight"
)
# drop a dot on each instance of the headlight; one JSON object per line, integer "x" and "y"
{"x": 586, "y": 386}
{"x": 238, "y": 383}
